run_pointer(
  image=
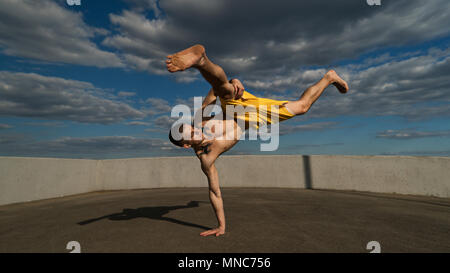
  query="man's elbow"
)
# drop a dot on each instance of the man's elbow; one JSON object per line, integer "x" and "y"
{"x": 215, "y": 192}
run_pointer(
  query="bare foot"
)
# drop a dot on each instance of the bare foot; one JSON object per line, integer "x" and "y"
{"x": 184, "y": 59}
{"x": 337, "y": 81}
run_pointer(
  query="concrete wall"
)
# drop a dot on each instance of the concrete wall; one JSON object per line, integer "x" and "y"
{"x": 27, "y": 179}
{"x": 386, "y": 174}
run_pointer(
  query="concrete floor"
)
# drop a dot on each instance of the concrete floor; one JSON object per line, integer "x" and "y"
{"x": 258, "y": 220}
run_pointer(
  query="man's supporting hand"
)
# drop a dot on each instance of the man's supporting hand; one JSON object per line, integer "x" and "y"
{"x": 217, "y": 231}
{"x": 238, "y": 88}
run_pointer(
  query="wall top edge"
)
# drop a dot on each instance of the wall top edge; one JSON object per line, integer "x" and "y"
{"x": 233, "y": 156}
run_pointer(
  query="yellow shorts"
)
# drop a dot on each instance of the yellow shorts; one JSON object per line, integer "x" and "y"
{"x": 258, "y": 111}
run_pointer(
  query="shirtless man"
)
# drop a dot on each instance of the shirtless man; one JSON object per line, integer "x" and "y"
{"x": 232, "y": 92}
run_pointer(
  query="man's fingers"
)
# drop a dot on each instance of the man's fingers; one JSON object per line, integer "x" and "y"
{"x": 208, "y": 232}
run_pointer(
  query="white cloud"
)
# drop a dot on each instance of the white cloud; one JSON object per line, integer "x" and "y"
{"x": 46, "y": 124}
{"x": 415, "y": 87}
{"x": 37, "y": 96}
{"x": 139, "y": 40}
{"x": 277, "y": 37}
{"x": 411, "y": 134}
{"x": 138, "y": 123}
{"x": 43, "y": 30}
{"x": 158, "y": 105}
{"x": 148, "y": 5}
{"x": 89, "y": 147}
{"x": 5, "y": 126}
{"x": 165, "y": 122}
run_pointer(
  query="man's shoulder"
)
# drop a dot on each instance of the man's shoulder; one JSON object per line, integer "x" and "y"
{"x": 209, "y": 150}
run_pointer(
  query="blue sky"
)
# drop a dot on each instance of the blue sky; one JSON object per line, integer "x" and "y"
{"x": 89, "y": 81}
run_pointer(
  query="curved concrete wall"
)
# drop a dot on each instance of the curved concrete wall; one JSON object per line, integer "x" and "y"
{"x": 26, "y": 179}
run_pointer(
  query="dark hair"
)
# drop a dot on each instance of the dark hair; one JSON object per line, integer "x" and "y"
{"x": 176, "y": 142}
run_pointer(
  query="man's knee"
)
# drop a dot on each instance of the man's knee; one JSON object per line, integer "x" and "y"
{"x": 304, "y": 107}
{"x": 299, "y": 107}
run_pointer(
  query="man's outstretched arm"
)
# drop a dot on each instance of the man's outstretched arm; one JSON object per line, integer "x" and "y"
{"x": 216, "y": 199}
{"x": 209, "y": 99}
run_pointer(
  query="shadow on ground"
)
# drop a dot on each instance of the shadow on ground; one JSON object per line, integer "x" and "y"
{"x": 155, "y": 213}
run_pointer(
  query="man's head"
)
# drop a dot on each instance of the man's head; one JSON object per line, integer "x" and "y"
{"x": 190, "y": 136}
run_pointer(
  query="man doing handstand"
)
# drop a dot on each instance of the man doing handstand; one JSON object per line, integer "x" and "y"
{"x": 208, "y": 143}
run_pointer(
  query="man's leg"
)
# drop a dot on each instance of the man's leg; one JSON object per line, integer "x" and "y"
{"x": 301, "y": 106}
{"x": 195, "y": 56}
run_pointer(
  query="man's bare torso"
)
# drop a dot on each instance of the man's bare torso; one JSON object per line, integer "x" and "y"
{"x": 219, "y": 140}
